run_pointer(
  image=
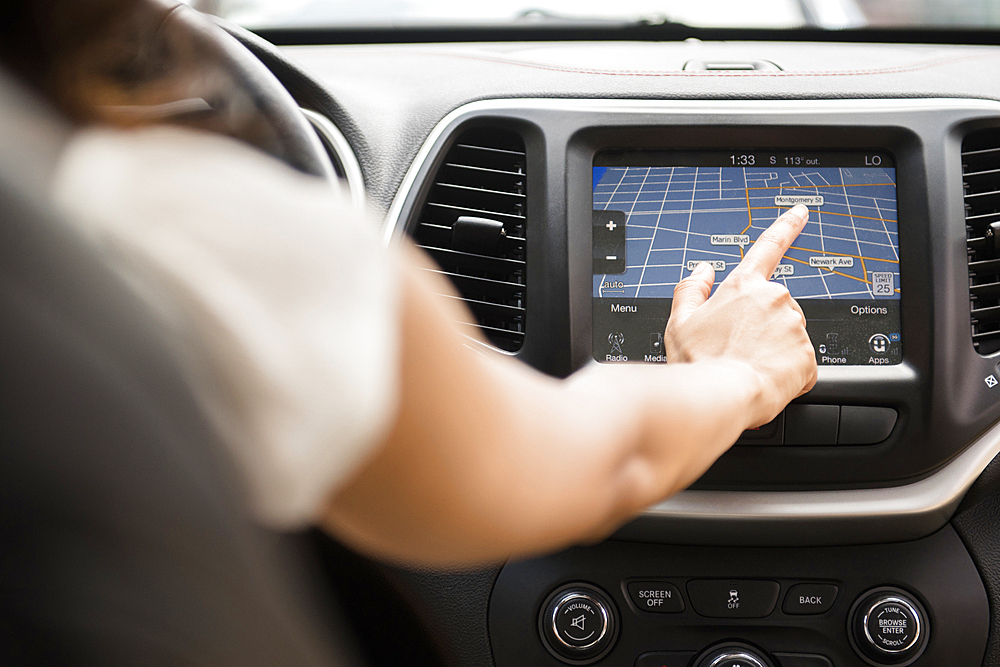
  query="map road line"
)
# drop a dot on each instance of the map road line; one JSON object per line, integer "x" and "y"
{"x": 841, "y": 254}
{"x": 846, "y": 215}
{"x": 830, "y": 270}
{"x": 795, "y": 187}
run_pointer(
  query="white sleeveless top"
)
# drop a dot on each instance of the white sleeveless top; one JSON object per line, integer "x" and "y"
{"x": 279, "y": 301}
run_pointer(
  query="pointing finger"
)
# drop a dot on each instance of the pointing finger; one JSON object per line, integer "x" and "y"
{"x": 763, "y": 257}
{"x": 692, "y": 292}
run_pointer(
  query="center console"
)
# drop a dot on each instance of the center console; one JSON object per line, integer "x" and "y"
{"x": 647, "y": 605}
{"x": 821, "y": 538}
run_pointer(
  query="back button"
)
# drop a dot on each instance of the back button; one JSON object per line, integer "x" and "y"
{"x": 809, "y": 599}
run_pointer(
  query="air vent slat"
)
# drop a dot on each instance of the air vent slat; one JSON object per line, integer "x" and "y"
{"x": 986, "y": 266}
{"x": 981, "y": 180}
{"x": 985, "y": 336}
{"x": 438, "y": 236}
{"x": 475, "y": 282}
{"x": 490, "y": 149}
{"x": 986, "y": 290}
{"x": 483, "y": 176}
{"x": 966, "y": 153}
{"x": 976, "y": 243}
{"x": 990, "y": 193}
{"x": 465, "y": 209}
{"x": 485, "y": 191}
{"x": 982, "y": 220}
{"x": 504, "y": 334}
{"x": 474, "y": 168}
{"x": 991, "y": 314}
{"x": 481, "y": 262}
{"x": 486, "y": 309}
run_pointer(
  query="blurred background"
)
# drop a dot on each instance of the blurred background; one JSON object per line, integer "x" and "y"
{"x": 830, "y": 14}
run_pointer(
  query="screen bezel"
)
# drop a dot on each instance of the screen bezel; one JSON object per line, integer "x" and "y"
{"x": 752, "y": 158}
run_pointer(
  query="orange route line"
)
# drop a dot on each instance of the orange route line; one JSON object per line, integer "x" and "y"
{"x": 843, "y": 254}
{"x": 805, "y": 187}
{"x": 749, "y": 217}
{"x": 846, "y": 215}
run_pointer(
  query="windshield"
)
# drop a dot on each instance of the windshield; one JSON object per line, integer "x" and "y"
{"x": 831, "y": 14}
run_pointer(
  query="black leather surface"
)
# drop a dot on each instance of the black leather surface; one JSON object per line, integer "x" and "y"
{"x": 303, "y": 87}
{"x": 411, "y": 616}
{"x": 397, "y": 93}
{"x": 976, "y": 522}
{"x": 453, "y": 607}
{"x": 977, "y": 526}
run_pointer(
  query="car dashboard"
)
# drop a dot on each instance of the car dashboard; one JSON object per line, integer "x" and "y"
{"x": 856, "y": 529}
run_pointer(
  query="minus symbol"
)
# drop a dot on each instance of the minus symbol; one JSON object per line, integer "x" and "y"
{"x": 611, "y": 257}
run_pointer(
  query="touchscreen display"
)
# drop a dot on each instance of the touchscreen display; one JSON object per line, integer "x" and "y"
{"x": 656, "y": 215}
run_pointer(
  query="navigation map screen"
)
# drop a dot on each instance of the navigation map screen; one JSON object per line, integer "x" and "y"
{"x": 656, "y": 215}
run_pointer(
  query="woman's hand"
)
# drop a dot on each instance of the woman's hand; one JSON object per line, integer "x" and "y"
{"x": 749, "y": 320}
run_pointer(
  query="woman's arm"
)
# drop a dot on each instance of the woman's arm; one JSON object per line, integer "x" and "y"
{"x": 489, "y": 459}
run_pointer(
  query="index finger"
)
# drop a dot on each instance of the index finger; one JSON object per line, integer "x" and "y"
{"x": 763, "y": 257}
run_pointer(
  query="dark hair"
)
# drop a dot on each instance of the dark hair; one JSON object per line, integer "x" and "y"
{"x": 86, "y": 56}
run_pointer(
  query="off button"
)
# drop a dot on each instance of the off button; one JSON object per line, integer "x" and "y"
{"x": 658, "y": 597}
{"x": 733, "y": 598}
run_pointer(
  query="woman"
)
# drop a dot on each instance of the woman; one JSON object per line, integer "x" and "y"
{"x": 328, "y": 365}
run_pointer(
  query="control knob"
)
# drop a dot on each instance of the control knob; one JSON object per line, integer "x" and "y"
{"x": 732, "y": 655}
{"x": 578, "y": 624}
{"x": 888, "y": 627}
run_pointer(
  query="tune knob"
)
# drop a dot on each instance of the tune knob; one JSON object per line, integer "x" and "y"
{"x": 578, "y": 624}
{"x": 732, "y": 655}
{"x": 889, "y": 627}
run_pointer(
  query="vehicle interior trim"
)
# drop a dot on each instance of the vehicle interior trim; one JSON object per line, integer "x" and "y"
{"x": 776, "y": 518}
{"x": 348, "y": 169}
{"x": 814, "y": 518}
{"x": 394, "y": 221}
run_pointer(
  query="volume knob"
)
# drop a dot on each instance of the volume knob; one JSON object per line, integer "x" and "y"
{"x": 578, "y": 624}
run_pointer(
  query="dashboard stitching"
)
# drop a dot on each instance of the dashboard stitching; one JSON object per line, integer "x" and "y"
{"x": 934, "y": 62}
{"x": 899, "y": 69}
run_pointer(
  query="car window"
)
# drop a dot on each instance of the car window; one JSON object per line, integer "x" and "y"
{"x": 830, "y": 14}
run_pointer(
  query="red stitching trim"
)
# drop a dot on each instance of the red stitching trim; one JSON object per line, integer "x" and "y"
{"x": 900, "y": 69}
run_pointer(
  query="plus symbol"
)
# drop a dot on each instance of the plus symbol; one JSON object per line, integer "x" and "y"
{"x": 611, "y": 226}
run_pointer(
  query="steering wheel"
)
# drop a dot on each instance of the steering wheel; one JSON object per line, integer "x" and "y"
{"x": 224, "y": 88}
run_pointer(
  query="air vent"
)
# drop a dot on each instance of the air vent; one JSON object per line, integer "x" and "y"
{"x": 473, "y": 225}
{"x": 981, "y": 174}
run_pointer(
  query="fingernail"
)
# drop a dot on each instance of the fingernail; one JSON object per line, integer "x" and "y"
{"x": 700, "y": 268}
{"x": 800, "y": 210}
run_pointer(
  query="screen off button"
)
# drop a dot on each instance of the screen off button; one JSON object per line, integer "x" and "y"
{"x": 658, "y": 597}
